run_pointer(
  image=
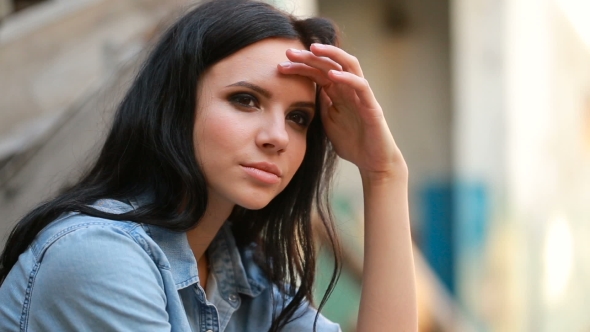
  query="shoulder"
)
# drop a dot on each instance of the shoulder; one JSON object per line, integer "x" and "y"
{"x": 73, "y": 230}
{"x": 90, "y": 267}
{"x": 84, "y": 248}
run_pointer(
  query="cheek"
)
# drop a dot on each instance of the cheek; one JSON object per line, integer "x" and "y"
{"x": 218, "y": 132}
{"x": 209, "y": 142}
{"x": 299, "y": 146}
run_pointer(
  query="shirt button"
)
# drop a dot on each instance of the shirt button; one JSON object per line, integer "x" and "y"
{"x": 209, "y": 330}
{"x": 233, "y": 298}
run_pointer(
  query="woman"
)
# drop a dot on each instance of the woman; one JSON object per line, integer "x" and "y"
{"x": 196, "y": 216}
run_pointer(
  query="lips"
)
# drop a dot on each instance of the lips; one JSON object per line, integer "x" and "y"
{"x": 266, "y": 167}
{"x": 263, "y": 173}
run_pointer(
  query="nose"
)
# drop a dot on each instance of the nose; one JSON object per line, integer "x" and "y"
{"x": 273, "y": 136}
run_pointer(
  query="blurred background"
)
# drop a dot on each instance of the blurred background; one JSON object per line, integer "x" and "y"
{"x": 489, "y": 101}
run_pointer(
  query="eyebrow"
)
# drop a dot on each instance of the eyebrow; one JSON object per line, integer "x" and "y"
{"x": 268, "y": 94}
{"x": 254, "y": 87}
{"x": 304, "y": 104}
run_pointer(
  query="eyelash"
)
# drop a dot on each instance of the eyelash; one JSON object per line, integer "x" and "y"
{"x": 300, "y": 118}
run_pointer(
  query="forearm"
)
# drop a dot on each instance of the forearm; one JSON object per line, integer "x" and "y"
{"x": 388, "y": 299}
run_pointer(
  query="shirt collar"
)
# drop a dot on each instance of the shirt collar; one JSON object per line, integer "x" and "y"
{"x": 234, "y": 269}
{"x": 175, "y": 246}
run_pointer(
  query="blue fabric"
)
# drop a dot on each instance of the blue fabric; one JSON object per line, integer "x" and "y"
{"x": 83, "y": 273}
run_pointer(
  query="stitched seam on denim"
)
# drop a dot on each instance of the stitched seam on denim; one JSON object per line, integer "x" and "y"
{"x": 142, "y": 241}
{"x": 215, "y": 319}
{"x": 38, "y": 248}
{"x": 129, "y": 230}
{"x": 187, "y": 282}
{"x": 75, "y": 227}
{"x": 227, "y": 282}
{"x": 66, "y": 231}
{"x": 209, "y": 317}
{"x": 24, "y": 319}
{"x": 147, "y": 248}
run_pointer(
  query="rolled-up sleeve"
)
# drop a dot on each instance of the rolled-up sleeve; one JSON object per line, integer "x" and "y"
{"x": 97, "y": 278}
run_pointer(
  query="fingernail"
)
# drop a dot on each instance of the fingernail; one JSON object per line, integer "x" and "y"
{"x": 294, "y": 50}
{"x": 336, "y": 72}
{"x": 319, "y": 45}
{"x": 285, "y": 64}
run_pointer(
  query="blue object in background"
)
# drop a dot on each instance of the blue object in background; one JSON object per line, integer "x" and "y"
{"x": 471, "y": 214}
{"x": 437, "y": 236}
{"x": 455, "y": 220}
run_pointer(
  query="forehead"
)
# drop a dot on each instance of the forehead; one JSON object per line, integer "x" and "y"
{"x": 257, "y": 63}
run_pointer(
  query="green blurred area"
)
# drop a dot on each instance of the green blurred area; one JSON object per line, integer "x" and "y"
{"x": 342, "y": 306}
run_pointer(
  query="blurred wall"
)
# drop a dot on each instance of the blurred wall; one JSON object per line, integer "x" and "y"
{"x": 479, "y": 144}
{"x": 549, "y": 166}
{"x": 6, "y": 7}
{"x": 403, "y": 47}
{"x": 522, "y": 85}
{"x": 64, "y": 64}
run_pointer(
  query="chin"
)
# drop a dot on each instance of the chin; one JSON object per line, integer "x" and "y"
{"x": 254, "y": 205}
{"x": 255, "y": 202}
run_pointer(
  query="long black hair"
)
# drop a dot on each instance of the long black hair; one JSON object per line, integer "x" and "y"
{"x": 150, "y": 149}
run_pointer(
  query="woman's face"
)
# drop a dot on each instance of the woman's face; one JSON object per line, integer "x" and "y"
{"x": 251, "y": 125}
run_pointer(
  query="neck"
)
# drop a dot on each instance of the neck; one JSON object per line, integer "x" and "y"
{"x": 200, "y": 237}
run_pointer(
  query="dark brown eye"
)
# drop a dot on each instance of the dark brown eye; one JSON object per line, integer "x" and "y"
{"x": 244, "y": 99}
{"x": 301, "y": 118}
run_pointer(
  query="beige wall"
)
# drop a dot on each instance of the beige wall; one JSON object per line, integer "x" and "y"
{"x": 409, "y": 72}
{"x": 59, "y": 62}
{"x": 522, "y": 87}
{"x": 54, "y": 53}
{"x": 5, "y": 8}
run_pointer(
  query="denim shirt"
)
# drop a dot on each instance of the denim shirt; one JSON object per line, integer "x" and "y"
{"x": 83, "y": 273}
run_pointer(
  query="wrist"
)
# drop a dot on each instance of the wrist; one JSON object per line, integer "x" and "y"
{"x": 395, "y": 174}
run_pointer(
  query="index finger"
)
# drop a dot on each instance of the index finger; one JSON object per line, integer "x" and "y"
{"x": 348, "y": 62}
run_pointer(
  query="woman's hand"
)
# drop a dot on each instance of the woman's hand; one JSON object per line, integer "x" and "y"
{"x": 355, "y": 125}
{"x": 352, "y": 117}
